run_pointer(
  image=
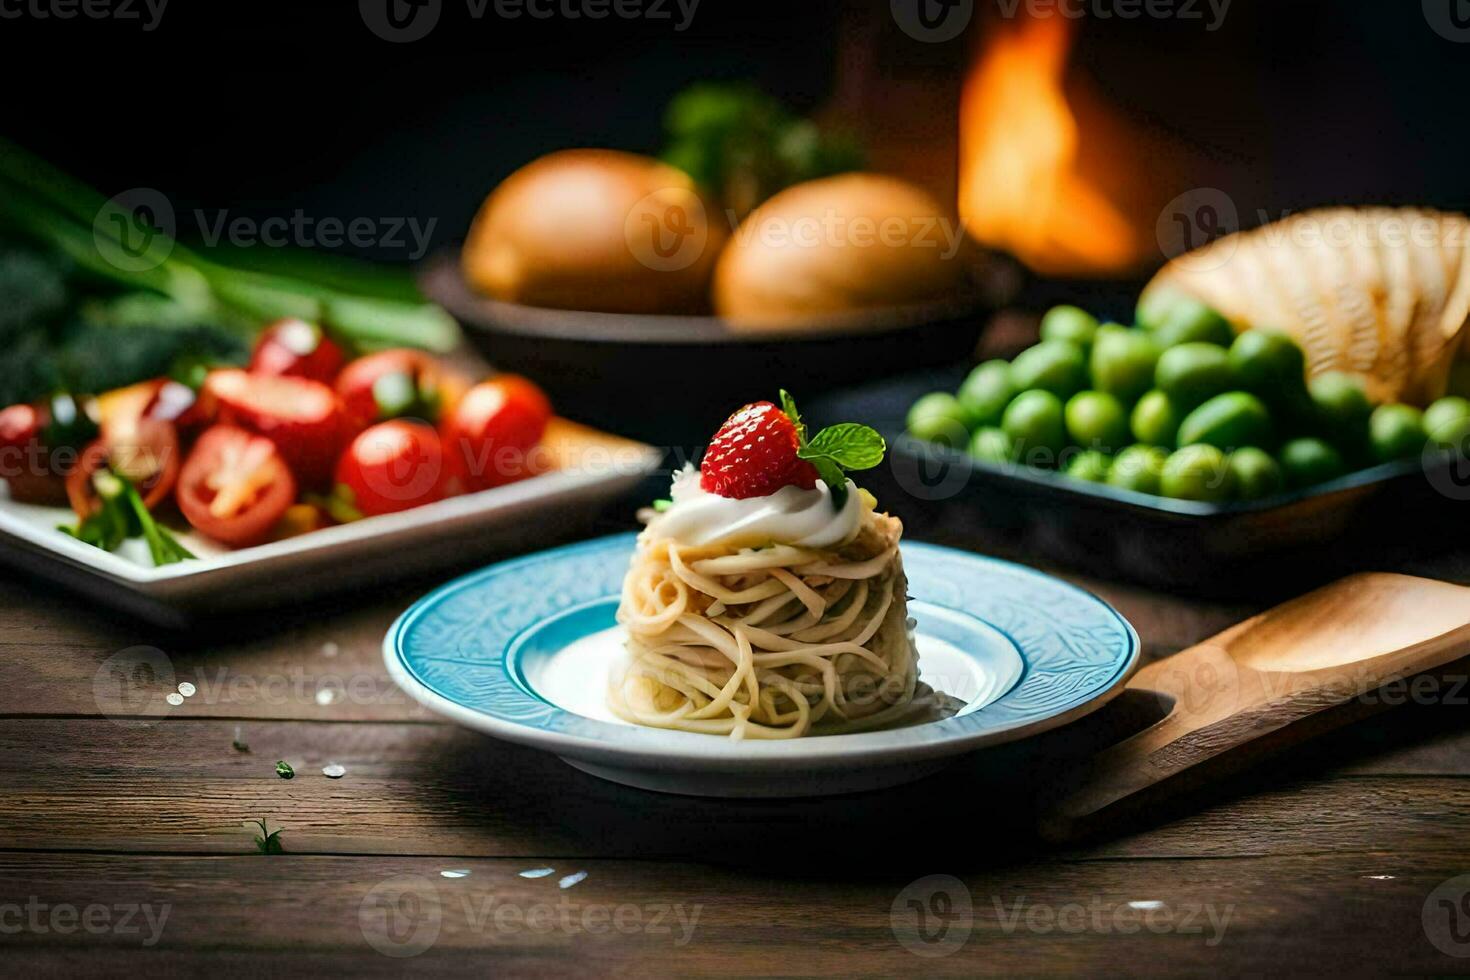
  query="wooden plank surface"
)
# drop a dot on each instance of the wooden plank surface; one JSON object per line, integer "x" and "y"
{"x": 1316, "y": 912}
{"x": 110, "y": 798}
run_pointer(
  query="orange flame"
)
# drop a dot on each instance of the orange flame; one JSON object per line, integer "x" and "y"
{"x": 1020, "y": 186}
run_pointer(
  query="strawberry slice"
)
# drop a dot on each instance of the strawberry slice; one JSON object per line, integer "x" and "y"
{"x": 302, "y": 417}
{"x": 754, "y": 454}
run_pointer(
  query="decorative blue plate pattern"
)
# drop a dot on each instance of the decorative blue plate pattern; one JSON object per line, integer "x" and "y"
{"x": 456, "y": 650}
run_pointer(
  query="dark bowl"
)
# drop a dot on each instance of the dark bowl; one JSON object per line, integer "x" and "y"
{"x": 1371, "y": 519}
{"x": 1374, "y": 518}
{"x": 669, "y": 380}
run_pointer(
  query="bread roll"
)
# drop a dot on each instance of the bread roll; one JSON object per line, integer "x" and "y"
{"x": 836, "y": 245}
{"x": 595, "y": 230}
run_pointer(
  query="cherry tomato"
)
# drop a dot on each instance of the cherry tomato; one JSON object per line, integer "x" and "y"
{"x": 393, "y": 466}
{"x": 235, "y": 486}
{"x": 490, "y": 432}
{"x": 302, "y": 417}
{"x": 299, "y": 349}
{"x": 27, "y": 464}
{"x": 397, "y": 383}
{"x": 145, "y": 451}
{"x": 160, "y": 398}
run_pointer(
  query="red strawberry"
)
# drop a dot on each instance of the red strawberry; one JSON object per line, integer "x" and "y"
{"x": 754, "y": 454}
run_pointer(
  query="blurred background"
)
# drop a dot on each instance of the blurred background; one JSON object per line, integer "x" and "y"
{"x": 269, "y": 107}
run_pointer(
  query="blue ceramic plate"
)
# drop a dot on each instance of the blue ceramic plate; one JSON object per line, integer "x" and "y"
{"x": 521, "y": 650}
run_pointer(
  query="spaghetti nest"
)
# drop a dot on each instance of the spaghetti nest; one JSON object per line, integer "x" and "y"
{"x": 767, "y": 642}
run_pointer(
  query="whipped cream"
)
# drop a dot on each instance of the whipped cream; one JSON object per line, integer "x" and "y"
{"x": 791, "y": 515}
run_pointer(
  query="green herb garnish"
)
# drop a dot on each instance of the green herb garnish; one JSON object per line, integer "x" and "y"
{"x": 121, "y": 514}
{"x": 284, "y": 770}
{"x": 659, "y": 506}
{"x": 743, "y": 146}
{"x": 836, "y": 450}
{"x": 268, "y": 841}
{"x": 340, "y": 505}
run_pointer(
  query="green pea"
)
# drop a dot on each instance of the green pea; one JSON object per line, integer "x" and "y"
{"x": 1096, "y": 420}
{"x": 1342, "y": 404}
{"x": 1228, "y": 421}
{"x": 1198, "y": 473}
{"x": 1396, "y": 432}
{"x": 938, "y": 417}
{"x": 1154, "y": 305}
{"x": 1188, "y": 321}
{"x": 986, "y": 392}
{"x": 1447, "y": 421}
{"x": 1089, "y": 465}
{"x": 1123, "y": 362}
{"x": 1138, "y": 468}
{"x": 1266, "y": 362}
{"x": 1256, "y": 474}
{"x": 1057, "y": 366}
{"x": 1069, "y": 323}
{"x": 1308, "y": 462}
{"x": 1155, "y": 419}
{"x": 992, "y": 445}
{"x": 1193, "y": 373}
{"x": 1034, "y": 423}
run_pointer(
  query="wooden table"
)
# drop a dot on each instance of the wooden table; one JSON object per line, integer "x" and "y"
{"x": 126, "y": 846}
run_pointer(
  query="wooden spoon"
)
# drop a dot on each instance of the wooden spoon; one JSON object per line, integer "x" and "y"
{"x": 1270, "y": 682}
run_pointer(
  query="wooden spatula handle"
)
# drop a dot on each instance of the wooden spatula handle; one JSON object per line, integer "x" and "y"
{"x": 1263, "y": 686}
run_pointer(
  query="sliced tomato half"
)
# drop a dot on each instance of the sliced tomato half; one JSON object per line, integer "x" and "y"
{"x": 302, "y": 417}
{"x": 235, "y": 486}
{"x": 146, "y": 451}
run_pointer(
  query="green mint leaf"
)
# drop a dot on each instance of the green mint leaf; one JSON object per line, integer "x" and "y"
{"x": 788, "y": 405}
{"x": 832, "y": 475}
{"x": 660, "y": 506}
{"x": 850, "y": 445}
{"x": 284, "y": 770}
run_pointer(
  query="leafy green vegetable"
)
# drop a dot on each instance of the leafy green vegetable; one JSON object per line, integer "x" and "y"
{"x": 268, "y": 841}
{"x": 284, "y": 770}
{"x": 835, "y": 449}
{"x": 162, "y": 546}
{"x": 91, "y": 343}
{"x": 110, "y": 526}
{"x": 120, "y": 515}
{"x": 87, "y": 233}
{"x": 744, "y": 146}
{"x": 661, "y": 505}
